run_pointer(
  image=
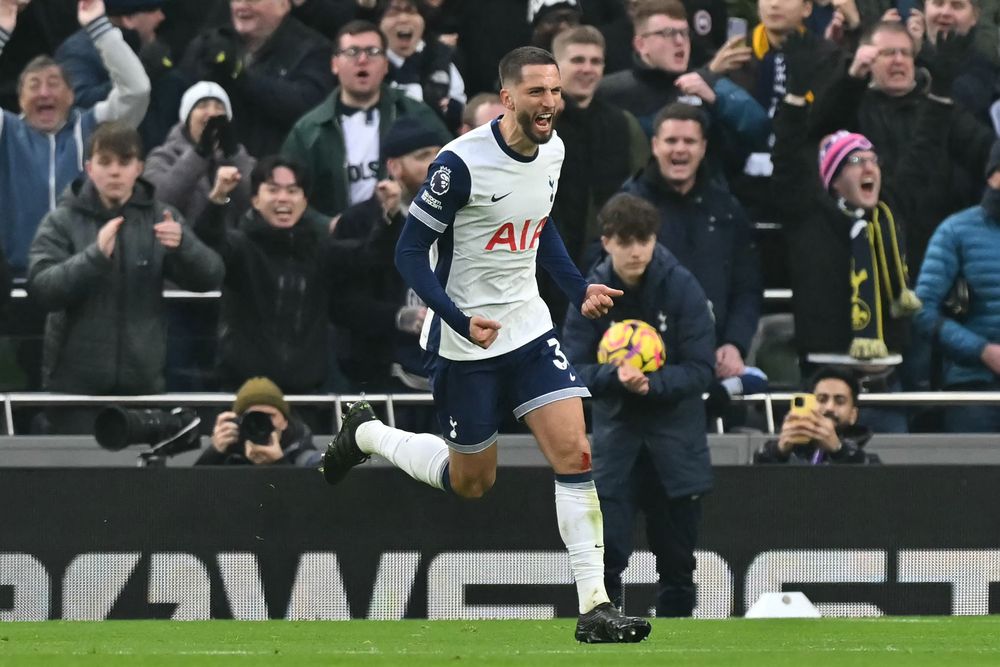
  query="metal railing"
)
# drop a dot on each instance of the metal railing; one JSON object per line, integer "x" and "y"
{"x": 45, "y": 399}
{"x": 902, "y": 398}
{"x": 773, "y": 295}
{"x": 336, "y": 401}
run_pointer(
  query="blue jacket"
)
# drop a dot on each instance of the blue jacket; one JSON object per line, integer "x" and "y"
{"x": 708, "y": 232}
{"x": 35, "y": 168}
{"x": 966, "y": 245}
{"x": 670, "y": 420}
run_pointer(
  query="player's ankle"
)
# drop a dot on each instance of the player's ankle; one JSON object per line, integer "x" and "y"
{"x": 367, "y": 436}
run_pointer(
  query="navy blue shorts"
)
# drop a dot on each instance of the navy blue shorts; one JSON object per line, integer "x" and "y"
{"x": 471, "y": 396}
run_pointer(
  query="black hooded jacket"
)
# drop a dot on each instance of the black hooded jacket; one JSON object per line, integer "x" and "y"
{"x": 274, "y": 300}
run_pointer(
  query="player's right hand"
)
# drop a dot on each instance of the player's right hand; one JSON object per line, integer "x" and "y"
{"x": 482, "y": 331}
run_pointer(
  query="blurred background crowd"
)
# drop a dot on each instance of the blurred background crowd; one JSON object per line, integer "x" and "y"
{"x": 836, "y": 157}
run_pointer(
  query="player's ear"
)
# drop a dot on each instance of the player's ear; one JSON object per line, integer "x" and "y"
{"x": 506, "y": 100}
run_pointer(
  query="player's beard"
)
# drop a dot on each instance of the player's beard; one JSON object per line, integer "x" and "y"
{"x": 527, "y": 123}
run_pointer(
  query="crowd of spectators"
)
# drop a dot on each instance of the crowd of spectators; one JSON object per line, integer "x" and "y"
{"x": 269, "y": 149}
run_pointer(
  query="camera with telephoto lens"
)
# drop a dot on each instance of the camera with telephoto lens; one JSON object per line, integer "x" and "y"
{"x": 256, "y": 427}
{"x": 167, "y": 432}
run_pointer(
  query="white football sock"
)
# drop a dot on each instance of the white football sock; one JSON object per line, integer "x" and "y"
{"x": 581, "y": 526}
{"x": 422, "y": 456}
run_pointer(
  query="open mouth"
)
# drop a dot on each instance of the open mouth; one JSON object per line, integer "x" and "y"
{"x": 405, "y": 34}
{"x": 680, "y": 161}
{"x": 363, "y": 75}
{"x": 283, "y": 213}
{"x": 543, "y": 122}
{"x": 868, "y": 186}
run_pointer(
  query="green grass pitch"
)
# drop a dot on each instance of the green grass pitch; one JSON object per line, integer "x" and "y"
{"x": 918, "y": 641}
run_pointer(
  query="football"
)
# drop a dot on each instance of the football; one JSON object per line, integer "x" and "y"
{"x": 632, "y": 342}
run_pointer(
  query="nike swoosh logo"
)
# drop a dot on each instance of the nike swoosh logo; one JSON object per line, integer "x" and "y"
{"x": 495, "y": 198}
{"x": 572, "y": 378}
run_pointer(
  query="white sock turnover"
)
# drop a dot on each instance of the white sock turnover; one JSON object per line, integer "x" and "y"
{"x": 582, "y": 529}
{"x": 422, "y": 456}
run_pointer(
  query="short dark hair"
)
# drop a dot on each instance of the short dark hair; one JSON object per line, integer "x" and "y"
{"x": 358, "y": 27}
{"x": 834, "y": 373}
{"x": 37, "y": 64}
{"x": 117, "y": 138}
{"x": 512, "y": 64}
{"x": 885, "y": 26}
{"x": 265, "y": 167}
{"x": 628, "y": 217}
{"x": 681, "y": 111}
{"x": 647, "y": 8}
{"x": 581, "y": 34}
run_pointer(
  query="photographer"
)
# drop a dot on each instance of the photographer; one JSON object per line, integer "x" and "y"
{"x": 183, "y": 168}
{"x": 242, "y": 437}
{"x": 830, "y": 434}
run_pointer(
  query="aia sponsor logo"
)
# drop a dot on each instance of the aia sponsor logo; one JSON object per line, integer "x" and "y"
{"x": 516, "y": 239}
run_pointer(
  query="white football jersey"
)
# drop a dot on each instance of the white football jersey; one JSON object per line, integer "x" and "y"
{"x": 489, "y": 205}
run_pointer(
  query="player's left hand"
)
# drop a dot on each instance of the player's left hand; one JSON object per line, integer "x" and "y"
{"x": 168, "y": 232}
{"x": 597, "y": 301}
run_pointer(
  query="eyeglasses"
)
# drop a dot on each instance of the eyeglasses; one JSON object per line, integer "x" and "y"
{"x": 354, "y": 52}
{"x": 669, "y": 33}
{"x": 891, "y": 51}
{"x": 861, "y": 160}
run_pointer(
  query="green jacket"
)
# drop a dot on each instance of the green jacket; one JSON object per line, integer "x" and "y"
{"x": 317, "y": 141}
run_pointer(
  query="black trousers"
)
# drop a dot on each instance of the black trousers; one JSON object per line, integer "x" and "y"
{"x": 672, "y": 531}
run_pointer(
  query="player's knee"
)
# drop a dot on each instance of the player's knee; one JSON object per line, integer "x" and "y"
{"x": 573, "y": 458}
{"x": 473, "y": 487}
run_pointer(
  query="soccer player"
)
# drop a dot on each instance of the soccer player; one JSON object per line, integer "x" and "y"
{"x": 484, "y": 209}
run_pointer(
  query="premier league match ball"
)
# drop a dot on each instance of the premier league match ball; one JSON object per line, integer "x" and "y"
{"x": 632, "y": 342}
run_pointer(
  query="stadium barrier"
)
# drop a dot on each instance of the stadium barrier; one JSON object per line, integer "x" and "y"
{"x": 515, "y": 450}
{"x": 88, "y": 544}
{"x": 337, "y": 401}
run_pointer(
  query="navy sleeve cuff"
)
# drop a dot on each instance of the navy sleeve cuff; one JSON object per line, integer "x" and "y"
{"x": 411, "y": 260}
